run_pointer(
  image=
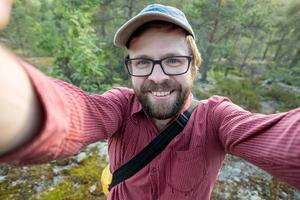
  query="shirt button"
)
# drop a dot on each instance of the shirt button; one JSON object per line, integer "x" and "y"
{"x": 154, "y": 197}
{"x": 153, "y": 170}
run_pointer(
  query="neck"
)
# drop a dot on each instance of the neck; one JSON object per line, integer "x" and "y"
{"x": 160, "y": 124}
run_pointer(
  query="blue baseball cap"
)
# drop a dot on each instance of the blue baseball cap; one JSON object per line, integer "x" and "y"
{"x": 150, "y": 13}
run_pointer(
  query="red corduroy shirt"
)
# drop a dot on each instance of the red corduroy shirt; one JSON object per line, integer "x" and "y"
{"x": 188, "y": 168}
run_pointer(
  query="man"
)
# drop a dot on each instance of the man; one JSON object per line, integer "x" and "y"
{"x": 162, "y": 61}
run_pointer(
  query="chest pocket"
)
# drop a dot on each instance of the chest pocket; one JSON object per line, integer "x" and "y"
{"x": 186, "y": 169}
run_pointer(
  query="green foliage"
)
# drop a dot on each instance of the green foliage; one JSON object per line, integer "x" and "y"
{"x": 65, "y": 31}
{"x": 288, "y": 76}
{"x": 22, "y": 32}
{"x": 79, "y": 34}
{"x": 78, "y": 55}
{"x": 287, "y": 99}
{"x": 274, "y": 85}
{"x": 241, "y": 92}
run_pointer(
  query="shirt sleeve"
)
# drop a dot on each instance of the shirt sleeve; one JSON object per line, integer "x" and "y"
{"x": 72, "y": 120}
{"x": 271, "y": 142}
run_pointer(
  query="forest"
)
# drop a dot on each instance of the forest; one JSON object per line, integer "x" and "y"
{"x": 250, "y": 51}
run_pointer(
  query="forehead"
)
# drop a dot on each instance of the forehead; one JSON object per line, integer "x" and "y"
{"x": 158, "y": 42}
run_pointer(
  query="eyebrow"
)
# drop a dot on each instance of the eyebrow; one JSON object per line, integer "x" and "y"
{"x": 161, "y": 57}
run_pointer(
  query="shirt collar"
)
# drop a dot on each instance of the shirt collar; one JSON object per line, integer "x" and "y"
{"x": 137, "y": 106}
{"x": 188, "y": 103}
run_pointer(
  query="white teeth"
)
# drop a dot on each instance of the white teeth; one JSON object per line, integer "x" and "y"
{"x": 161, "y": 94}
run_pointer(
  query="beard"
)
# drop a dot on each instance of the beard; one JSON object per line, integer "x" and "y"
{"x": 164, "y": 109}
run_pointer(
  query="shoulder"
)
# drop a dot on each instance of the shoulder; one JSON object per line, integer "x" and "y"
{"x": 119, "y": 93}
{"x": 215, "y": 101}
{"x": 219, "y": 106}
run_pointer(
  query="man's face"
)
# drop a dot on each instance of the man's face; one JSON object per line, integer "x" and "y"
{"x": 162, "y": 96}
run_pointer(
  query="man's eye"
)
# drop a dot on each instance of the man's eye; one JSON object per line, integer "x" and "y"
{"x": 173, "y": 60}
{"x": 142, "y": 62}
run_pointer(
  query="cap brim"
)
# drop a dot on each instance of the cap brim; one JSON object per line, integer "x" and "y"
{"x": 125, "y": 31}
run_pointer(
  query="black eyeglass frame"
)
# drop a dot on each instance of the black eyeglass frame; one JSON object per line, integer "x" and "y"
{"x": 154, "y": 62}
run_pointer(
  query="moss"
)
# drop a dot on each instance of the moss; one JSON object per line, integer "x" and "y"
{"x": 69, "y": 190}
{"x": 272, "y": 188}
{"x": 89, "y": 170}
{"x": 64, "y": 190}
{"x": 7, "y": 191}
{"x": 76, "y": 184}
{"x": 21, "y": 181}
{"x": 79, "y": 180}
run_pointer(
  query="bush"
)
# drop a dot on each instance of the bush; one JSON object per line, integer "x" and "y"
{"x": 241, "y": 91}
{"x": 287, "y": 100}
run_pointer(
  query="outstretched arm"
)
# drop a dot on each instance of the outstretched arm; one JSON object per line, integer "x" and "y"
{"x": 48, "y": 119}
{"x": 20, "y": 110}
{"x": 271, "y": 142}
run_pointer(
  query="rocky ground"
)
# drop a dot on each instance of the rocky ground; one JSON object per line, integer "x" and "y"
{"x": 78, "y": 178}
{"x": 240, "y": 180}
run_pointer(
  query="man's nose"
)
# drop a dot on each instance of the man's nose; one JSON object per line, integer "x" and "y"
{"x": 158, "y": 74}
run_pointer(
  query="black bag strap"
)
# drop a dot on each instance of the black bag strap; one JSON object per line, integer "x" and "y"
{"x": 153, "y": 149}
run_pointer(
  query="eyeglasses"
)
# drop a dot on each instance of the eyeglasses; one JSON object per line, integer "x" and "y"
{"x": 173, "y": 65}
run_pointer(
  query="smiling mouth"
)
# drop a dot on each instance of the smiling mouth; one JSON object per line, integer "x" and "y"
{"x": 161, "y": 94}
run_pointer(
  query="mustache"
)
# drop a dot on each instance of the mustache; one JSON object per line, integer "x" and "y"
{"x": 163, "y": 86}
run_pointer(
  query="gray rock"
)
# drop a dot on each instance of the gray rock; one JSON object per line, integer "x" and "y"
{"x": 4, "y": 170}
{"x": 58, "y": 179}
{"x": 236, "y": 179}
{"x": 95, "y": 190}
{"x": 63, "y": 162}
{"x": 2, "y": 178}
{"x": 81, "y": 157}
{"x": 58, "y": 170}
{"x": 92, "y": 188}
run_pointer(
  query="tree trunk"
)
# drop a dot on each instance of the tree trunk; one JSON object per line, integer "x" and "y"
{"x": 295, "y": 59}
{"x": 211, "y": 38}
{"x": 267, "y": 48}
{"x": 265, "y": 52}
{"x": 248, "y": 51}
{"x": 204, "y": 68}
{"x": 130, "y": 8}
{"x": 20, "y": 44}
{"x": 279, "y": 47}
{"x": 103, "y": 29}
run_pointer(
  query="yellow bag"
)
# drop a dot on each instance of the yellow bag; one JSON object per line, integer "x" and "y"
{"x": 106, "y": 178}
